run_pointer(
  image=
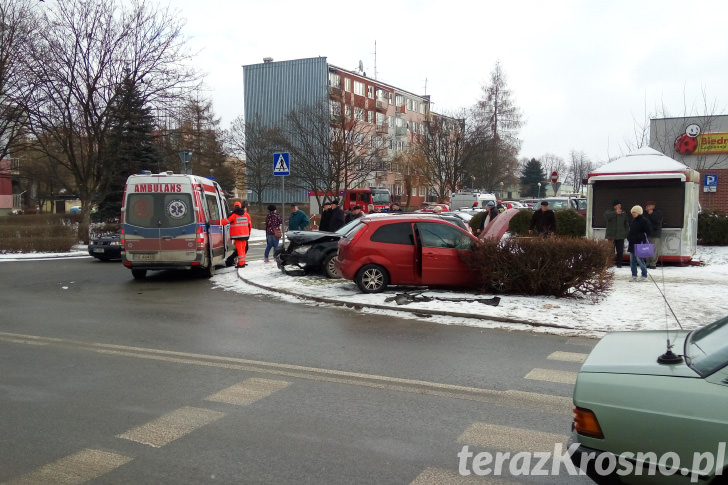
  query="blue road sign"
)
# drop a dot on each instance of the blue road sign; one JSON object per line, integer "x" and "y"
{"x": 710, "y": 183}
{"x": 281, "y": 164}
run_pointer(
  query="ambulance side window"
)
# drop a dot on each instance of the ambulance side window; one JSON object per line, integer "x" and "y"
{"x": 213, "y": 209}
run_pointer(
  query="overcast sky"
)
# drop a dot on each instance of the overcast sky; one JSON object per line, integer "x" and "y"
{"x": 583, "y": 73}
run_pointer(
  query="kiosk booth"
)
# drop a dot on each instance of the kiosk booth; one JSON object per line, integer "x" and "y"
{"x": 643, "y": 175}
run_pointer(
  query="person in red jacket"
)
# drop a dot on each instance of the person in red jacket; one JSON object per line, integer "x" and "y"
{"x": 240, "y": 226}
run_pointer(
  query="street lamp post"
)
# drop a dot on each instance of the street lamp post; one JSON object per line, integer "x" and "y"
{"x": 539, "y": 190}
{"x": 501, "y": 184}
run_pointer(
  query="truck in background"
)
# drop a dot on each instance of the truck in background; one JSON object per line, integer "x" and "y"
{"x": 379, "y": 197}
{"x": 467, "y": 200}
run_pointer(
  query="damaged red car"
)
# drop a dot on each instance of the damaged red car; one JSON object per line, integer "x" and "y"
{"x": 406, "y": 250}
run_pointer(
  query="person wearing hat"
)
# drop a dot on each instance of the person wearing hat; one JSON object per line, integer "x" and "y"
{"x": 298, "y": 221}
{"x": 355, "y": 213}
{"x": 617, "y": 228}
{"x": 325, "y": 216}
{"x": 543, "y": 221}
{"x": 240, "y": 227}
{"x": 338, "y": 219}
{"x": 491, "y": 212}
{"x": 273, "y": 221}
{"x": 639, "y": 228}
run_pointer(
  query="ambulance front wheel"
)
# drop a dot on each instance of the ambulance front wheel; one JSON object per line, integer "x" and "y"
{"x": 139, "y": 274}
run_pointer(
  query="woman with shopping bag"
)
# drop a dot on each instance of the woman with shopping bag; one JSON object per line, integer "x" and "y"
{"x": 639, "y": 229}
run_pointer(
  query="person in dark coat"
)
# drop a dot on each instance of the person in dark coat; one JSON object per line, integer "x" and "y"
{"x": 395, "y": 207}
{"x": 491, "y": 212}
{"x": 326, "y": 217}
{"x": 655, "y": 236}
{"x": 543, "y": 221}
{"x": 355, "y": 213}
{"x": 639, "y": 228}
{"x": 337, "y": 220}
{"x": 617, "y": 228}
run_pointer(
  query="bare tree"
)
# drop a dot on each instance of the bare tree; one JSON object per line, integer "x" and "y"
{"x": 443, "y": 154}
{"x": 17, "y": 24}
{"x": 333, "y": 150}
{"x": 81, "y": 53}
{"x": 579, "y": 169}
{"x": 254, "y": 143}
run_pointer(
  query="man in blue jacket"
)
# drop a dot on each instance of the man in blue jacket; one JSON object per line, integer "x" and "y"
{"x": 298, "y": 220}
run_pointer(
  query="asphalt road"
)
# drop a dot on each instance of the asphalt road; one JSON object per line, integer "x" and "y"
{"x": 111, "y": 380}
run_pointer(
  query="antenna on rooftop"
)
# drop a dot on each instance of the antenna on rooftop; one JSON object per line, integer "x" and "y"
{"x": 375, "y": 59}
{"x": 361, "y": 66}
{"x": 425, "y": 86}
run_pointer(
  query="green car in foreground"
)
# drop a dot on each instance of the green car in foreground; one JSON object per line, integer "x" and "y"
{"x": 637, "y": 420}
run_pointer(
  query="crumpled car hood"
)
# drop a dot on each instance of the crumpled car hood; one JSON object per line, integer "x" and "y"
{"x": 636, "y": 353}
{"x": 308, "y": 237}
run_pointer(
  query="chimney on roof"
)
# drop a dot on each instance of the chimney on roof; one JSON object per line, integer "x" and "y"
{"x": 267, "y": 60}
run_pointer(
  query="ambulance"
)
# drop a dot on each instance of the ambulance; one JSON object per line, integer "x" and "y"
{"x": 174, "y": 221}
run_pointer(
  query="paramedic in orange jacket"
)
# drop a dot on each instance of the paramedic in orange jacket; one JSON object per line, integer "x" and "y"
{"x": 240, "y": 226}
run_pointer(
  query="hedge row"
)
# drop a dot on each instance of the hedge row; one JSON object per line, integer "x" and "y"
{"x": 712, "y": 228}
{"x": 38, "y": 233}
{"x": 558, "y": 266}
{"x": 568, "y": 222}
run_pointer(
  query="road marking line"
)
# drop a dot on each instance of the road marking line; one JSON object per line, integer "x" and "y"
{"x": 439, "y": 476}
{"x": 171, "y": 426}
{"x": 524, "y": 400}
{"x": 248, "y": 391}
{"x": 568, "y": 356}
{"x": 508, "y": 438}
{"x": 549, "y": 375}
{"x": 77, "y": 468}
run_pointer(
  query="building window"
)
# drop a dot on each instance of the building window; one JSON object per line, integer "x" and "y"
{"x": 391, "y": 121}
{"x": 347, "y": 84}
{"x": 360, "y": 114}
{"x": 370, "y": 92}
{"x": 409, "y": 104}
{"x": 347, "y": 111}
{"x": 381, "y": 119}
{"x": 334, "y": 80}
{"x": 359, "y": 88}
{"x": 391, "y": 97}
{"x": 380, "y": 94}
{"x": 400, "y": 100}
{"x": 335, "y": 108}
{"x": 422, "y": 108}
{"x": 370, "y": 118}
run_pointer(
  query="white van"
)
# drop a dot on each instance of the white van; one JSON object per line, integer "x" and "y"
{"x": 174, "y": 221}
{"x": 466, "y": 200}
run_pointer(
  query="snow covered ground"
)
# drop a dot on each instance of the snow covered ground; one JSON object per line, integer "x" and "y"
{"x": 695, "y": 294}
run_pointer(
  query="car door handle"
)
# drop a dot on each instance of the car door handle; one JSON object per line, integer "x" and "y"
{"x": 166, "y": 237}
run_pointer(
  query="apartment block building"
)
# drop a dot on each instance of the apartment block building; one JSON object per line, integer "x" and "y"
{"x": 388, "y": 116}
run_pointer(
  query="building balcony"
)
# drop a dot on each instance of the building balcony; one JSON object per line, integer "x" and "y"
{"x": 400, "y": 130}
{"x": 382, "y": 104}
{"x": 382, "y": 128}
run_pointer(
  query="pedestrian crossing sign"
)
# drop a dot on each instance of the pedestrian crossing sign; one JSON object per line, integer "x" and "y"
{"x": 281, "y": 165}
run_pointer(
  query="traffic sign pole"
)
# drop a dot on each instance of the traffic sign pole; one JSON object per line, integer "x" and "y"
{"x": 281, "y": 168}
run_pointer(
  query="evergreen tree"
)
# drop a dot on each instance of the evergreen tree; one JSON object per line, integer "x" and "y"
{"x": 130, "y": 148}
{"x": 531, "y": 176}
